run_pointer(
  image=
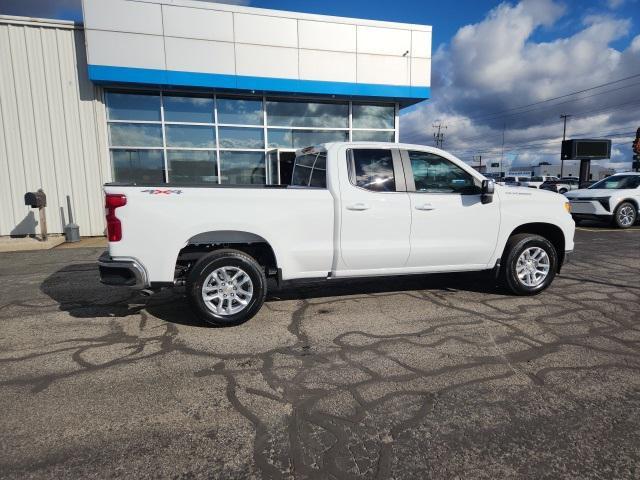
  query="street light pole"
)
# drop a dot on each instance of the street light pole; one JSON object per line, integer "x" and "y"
{"x": 564, "y": 136}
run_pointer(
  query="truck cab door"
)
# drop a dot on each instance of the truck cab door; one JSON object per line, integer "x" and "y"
{"x": 375, "y": 213}
{"x": 451, "y": 228}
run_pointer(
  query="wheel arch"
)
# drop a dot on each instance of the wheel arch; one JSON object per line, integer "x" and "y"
{"x": 250, "y": 243}
{"x": 634, "y": 201}
{"x": 551, "y": 232}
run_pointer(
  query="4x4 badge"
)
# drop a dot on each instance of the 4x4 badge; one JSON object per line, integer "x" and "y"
{"x": 161, "y": 191}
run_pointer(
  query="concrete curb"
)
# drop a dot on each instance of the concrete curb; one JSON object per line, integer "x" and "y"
{"x": 25, "y": 244}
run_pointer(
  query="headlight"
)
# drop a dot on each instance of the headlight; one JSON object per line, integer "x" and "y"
{"x": 567, "y": 207}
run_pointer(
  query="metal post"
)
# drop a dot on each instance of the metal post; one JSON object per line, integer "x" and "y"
{"x": 564, "y": 137}
{"x": 43, "y": 223}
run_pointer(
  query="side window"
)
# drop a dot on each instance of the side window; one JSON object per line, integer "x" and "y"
{"x": 310, "y": 170}
{"x": 434, "y": 174}
{"x": 372, "y": 170}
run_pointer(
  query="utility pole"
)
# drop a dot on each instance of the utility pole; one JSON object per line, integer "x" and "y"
{"x": 636, "y": 152}
{"x": 504, "y": 127}
{"x": 438, "y": 135}
{"x": 564, "y": 136}
{"x": 479, "y": 158}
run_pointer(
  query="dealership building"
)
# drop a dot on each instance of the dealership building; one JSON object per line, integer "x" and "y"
{"x": 188, "y": 92}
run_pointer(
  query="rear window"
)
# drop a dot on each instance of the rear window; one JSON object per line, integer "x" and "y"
{"x": 372, "y": 169}
{"x": 310, "y": 170}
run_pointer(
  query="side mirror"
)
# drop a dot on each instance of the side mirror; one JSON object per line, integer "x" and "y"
{"x": 488, "y": 188}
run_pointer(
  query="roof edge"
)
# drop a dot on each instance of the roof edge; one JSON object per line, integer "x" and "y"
{"x": 40, "y": 22}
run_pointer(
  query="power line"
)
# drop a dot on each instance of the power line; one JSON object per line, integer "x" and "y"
{"x": 619, "y": 106}
{"x": 498, "y": 113}
{"x": 535, "y": 143}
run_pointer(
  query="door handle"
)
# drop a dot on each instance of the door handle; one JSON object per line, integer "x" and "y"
{"x": 358, "y": 206}
{"x": 425, "y": 207}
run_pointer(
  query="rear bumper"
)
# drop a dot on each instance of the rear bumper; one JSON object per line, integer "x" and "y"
{"x": 122, "y": 272}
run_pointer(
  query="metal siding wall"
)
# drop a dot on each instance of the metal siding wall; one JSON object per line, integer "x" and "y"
{"x": 52, "y": 128}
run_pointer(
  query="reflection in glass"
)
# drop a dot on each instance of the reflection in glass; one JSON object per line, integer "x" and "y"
{"x": 190, "y": 136}
{"x": 304, "y": 138}
{"x": 135, "y": 135}
{"x": 434, "y": 174}
{"x": 242, "y": 168}
{"x": 274, "y": 174}
{"x": 373, "y": 116}
{"x": 373, "y": 170}
{"x": 239, "y": 137}
{"x": 188, "y": 109}
{"x": 138, "y": 166}
{"x": 305, "y": 114}
{"x": 129, "y": 106}
{"x": 192, "y": 166}
{"x": 238, "y": 111}
{"x": 370, "y": 136}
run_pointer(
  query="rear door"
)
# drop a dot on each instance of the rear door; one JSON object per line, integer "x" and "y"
{"x": 451, "y": 228}
{"x": 376, "y": 216}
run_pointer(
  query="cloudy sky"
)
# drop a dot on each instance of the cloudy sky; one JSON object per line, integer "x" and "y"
{"x": 501, "y": 70}
{"x": 489, "y": 78}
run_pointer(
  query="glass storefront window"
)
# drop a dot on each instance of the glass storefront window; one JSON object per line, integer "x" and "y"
{"x": 190, "y": 136}
{"x": 197, "y": 166}
{"x": 241, "y": 137}
{"x": 239, "y": 111}
{"x": 242, "y": 168}
{"x": 127, "y": 106}
{"x": 373, "y": 136}
{"x": 307, "y": 114}
{"x": 180, "y": 137}
{"x": 135, "y": 135}
{"x": 138, "y": 166}
{"x": 373, "y": 116}
{"x": 279, "y": 138}
{"x": 188, "y": 109}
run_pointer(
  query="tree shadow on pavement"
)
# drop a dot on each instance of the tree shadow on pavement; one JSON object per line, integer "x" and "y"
{"x": 77, "y": 290}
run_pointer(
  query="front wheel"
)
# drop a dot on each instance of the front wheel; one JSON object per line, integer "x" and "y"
{"x": 529, "y": 264}
{"x": 226, "y": 288}
{"x": 625, "y": 215}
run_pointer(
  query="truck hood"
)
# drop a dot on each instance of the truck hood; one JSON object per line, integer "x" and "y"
{"x": 526, "y": 192}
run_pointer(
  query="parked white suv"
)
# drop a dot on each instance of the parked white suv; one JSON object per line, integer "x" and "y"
{"x": 535, "y": 182}
{"x": 615, "y": 199}
{"x": 354, "y": 210}
{"x": 562, "y": 186}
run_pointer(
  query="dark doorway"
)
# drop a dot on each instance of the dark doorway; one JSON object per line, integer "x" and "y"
{"x": 287, "y": 160}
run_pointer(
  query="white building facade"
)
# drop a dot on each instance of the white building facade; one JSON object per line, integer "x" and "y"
{"x": 189, "y": 92}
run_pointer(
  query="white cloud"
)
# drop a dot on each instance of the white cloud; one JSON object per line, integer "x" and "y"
{"x": 495, "y": 65}
{"x": 613, "y": 4}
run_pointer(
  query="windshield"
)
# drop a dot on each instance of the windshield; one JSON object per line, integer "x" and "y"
{"x": 617, "y": 182}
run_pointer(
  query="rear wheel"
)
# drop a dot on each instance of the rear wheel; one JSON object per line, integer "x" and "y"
{"x": 625, "y": 215}
{"x": 529, "y": 264}
{"x": 226, "y": 288}
{"x": 562, "y": 191}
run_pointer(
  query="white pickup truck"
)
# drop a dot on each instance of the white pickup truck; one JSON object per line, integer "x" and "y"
{"x": 352, "y": 210}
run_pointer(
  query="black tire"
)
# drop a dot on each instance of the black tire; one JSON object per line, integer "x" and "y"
{"x": 516, "y": 245}
{"x": 619, "y": 220}
{"x": 562, "y": 191}
{"x": 233, "y": 259}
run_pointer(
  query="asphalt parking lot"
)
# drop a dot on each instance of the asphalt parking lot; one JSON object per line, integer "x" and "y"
{"x": 412, "y": 377}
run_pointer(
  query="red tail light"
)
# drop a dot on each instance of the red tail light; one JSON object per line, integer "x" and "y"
{"x": 114, "y": 227}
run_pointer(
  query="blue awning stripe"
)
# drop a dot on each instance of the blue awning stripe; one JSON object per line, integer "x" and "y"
{"x": 406, "y": 95}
